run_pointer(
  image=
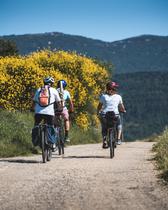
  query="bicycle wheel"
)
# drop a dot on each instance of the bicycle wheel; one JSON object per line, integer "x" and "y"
{"x": 49, "y": 154}
{"x": 62, "y": 137}
{"x": 122, "y": 123}
{"x": 43, "y": 146}
{"x": 59, "y": 143}
{"x": 115, "y": 137}
{"x": 112, "y": 143}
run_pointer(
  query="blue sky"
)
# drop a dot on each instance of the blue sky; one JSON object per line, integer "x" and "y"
{"x": 107, "y": 20}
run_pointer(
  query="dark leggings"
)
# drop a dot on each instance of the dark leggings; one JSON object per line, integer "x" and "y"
{"x": 104, "y": 124}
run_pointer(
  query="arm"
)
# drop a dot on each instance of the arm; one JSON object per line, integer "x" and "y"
{"x": 32, "y": 106}
{"x": 70, "y": 102}
{"x": 99, "y": 107}
{"x": 121, "y": 108}
{"x": 58, "y": 104}
{"x": 71, "y": 106}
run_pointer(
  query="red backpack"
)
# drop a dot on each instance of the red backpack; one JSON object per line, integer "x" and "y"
{"x": 44, "y": 96}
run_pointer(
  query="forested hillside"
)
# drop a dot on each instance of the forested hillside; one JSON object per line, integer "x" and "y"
{"x": 138, "y": 54}
{"x": 146, "y": 100}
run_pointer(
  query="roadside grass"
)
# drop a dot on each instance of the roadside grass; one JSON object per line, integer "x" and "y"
{"x": 153, "y": 138}
{"x": 15, "y": 134}
{"x": 161, "y": 156}
{"x": 80, "y": 136}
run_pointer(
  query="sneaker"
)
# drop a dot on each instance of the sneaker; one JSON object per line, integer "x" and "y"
{"x": 67, "y": 139}
{"x": 53, "y": 147}
{"x": 119, "y": 142}
{"x": 105, "y": 144}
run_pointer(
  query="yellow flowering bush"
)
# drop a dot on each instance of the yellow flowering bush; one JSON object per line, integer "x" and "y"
{"x": 82, "y": 120}
{"x": 20, "y": 76}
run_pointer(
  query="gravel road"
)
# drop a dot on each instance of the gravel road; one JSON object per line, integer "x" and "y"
{"x": 84, "y": 179}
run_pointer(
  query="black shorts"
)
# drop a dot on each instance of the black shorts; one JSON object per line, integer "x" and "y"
{"x": 49, "y": 119}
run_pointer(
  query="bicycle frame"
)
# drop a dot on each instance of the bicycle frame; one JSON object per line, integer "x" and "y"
{"x": 111, "y": 137}
{"x": 59, "y": 127}
{"x": 46, "y": 148}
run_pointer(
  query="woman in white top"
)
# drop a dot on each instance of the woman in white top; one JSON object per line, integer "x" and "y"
{"x": 110, "y": 101}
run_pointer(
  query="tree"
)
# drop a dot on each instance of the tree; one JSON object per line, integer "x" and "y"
{"x": 7, "y": 48}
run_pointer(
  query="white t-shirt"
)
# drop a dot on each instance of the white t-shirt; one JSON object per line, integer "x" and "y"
{"x": 49, "y": 110}
{"x": 110, "y": 102}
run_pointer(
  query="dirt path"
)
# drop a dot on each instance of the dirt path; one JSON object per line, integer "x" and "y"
{"x": 84, "y": 179}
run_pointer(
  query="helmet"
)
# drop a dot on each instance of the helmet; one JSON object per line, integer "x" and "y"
{"x": 64, "y": 84}
{"x": 48, "y": 80}
{"x": 111, "y": 85}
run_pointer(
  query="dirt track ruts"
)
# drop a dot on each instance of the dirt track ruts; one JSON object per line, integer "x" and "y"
{"x": 84, "y": 179}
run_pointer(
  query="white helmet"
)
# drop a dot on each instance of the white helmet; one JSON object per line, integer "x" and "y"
{"x": 48, "y": 80}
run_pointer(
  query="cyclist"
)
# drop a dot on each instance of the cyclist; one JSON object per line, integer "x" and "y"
{"x": 46, "y": 112}
{"x": 110, "y": 101}
{"x": 66, "y": 102}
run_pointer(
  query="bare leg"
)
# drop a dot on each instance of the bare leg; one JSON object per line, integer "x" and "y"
{"x": 119, "y": 134}
{"x": 67, "y": 126}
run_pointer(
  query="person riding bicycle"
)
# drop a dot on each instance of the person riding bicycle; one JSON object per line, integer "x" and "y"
{"x": 66, "y": 102}
{"x": 110, "y": 101}
{"x": 46, "y": 112}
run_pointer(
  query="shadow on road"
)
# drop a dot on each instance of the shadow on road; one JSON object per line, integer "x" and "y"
{"x": 19, "y": 161}
{"x": 86, "y": 156}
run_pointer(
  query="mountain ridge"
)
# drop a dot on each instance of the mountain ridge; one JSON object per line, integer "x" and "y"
{"x": 136, "y": 54}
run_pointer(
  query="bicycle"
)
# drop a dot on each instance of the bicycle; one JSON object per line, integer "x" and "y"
{"x": 111, "y": 131}
{"x": 46, "y": 147}
{"x": 43, "y": 135}
{"x": 59, "y": 127}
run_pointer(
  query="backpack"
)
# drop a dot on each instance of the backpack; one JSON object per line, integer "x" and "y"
{"x": 44, "y": 96}
{"x": 51, "y": 134}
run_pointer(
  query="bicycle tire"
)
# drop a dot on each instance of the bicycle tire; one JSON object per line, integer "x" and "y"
{"x": 60, "y": 134}
{"x": 59, "y": 145}
{"x": 62, "y": 137}
{"x": 43, "y": 146}
{"x": 122, "y": 123}
{"x": 49, "y": 154}
{"x": 112, "y": 143}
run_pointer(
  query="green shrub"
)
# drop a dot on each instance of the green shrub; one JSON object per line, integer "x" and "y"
{"x": 80, "y": 136}
{"x": 15, "y": 134}
{"x": 161, "y": 149}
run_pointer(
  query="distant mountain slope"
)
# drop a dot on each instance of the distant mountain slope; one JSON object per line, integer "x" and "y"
{"x": 146, "y": 100}
{"x": 138, "y": 54}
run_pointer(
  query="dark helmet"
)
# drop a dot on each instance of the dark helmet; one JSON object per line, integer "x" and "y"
{"x": 48, "y": 80}
{"x": 111, "y": 86}
{"x": 64, "y": 84}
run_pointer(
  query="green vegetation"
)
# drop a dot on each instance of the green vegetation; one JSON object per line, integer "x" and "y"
{"x": 80, "y": 136}
{"x": 21, "y": 76}
{"x": 7, "y": 48}
{"x": 15, "y": 134}
{"x": 161, "y": 149}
